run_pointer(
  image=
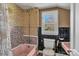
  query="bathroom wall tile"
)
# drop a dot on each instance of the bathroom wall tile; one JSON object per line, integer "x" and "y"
{"x": 33, "y": 40}
{"x": 26, "y": 39}
{"x": 16, "y": 36}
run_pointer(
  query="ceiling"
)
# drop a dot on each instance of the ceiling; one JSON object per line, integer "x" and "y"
{"x": 43, "y": 5}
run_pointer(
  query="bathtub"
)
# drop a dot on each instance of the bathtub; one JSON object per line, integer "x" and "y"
{"x": 24, "y": 50}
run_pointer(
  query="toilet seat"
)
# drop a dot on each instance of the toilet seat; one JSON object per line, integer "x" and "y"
{"x": 48, "y": 52}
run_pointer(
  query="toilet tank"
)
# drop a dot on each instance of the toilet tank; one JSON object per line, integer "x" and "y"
{"x": 49, "y": 43}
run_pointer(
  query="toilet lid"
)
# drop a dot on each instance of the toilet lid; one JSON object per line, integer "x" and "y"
{"x": 49, "y": 43}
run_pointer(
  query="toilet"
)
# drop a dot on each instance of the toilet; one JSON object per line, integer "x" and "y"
{"x": 49, "y": 44}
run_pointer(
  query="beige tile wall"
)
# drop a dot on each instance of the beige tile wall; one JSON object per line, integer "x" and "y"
{"x": 20, "y": 17}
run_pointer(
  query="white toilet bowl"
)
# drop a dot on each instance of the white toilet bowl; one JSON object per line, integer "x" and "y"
{"x": 48, "y": 52}
{"x": 49, "y": 44}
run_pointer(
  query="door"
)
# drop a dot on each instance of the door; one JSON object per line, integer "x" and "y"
{"x": 75, "y": 29}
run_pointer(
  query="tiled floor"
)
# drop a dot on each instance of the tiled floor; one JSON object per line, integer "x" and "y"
{"x": 57, "y": 54}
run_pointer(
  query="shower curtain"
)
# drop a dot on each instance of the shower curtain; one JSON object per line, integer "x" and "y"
{"x": 4, "y": 34}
